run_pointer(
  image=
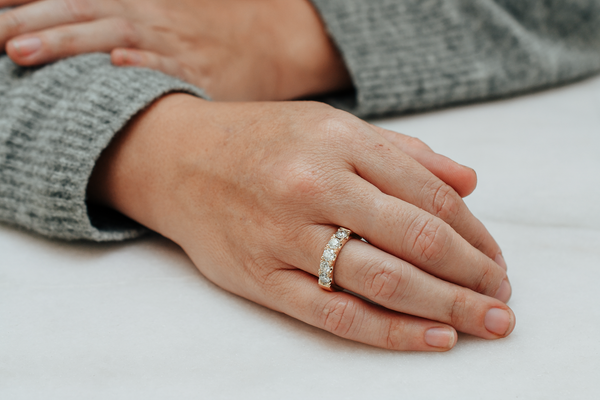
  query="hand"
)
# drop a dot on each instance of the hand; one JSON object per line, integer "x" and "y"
{"x": 233, "y": 49}
{"x": 253, "y": 191}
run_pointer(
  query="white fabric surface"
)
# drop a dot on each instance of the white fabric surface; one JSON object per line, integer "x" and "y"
{"x": 137, "y": 321}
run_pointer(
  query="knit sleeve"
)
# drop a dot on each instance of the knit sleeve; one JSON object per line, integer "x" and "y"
{"x": 54, "y": 123}
{"x": 407, "y": 55}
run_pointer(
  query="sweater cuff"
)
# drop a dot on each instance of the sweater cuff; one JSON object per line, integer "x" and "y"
{"x": 414, "y": 55}
{"x": 65, "y": 115}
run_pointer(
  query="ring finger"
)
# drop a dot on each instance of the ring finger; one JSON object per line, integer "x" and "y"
{"x": 296, "y": 294}
{"x": 400, "y": 286}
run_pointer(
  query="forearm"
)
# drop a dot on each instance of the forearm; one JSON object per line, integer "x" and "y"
{"x": 54, "y": 123}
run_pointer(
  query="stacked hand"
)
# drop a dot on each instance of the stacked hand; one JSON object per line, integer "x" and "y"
{"x": 234, "y": 49}
{"x": 253, "y": 191}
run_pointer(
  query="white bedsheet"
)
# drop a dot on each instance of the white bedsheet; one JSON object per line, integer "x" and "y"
{"x": 137, "y": 321}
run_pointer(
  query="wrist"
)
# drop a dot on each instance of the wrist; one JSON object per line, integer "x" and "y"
{"x": 134, "y": 174}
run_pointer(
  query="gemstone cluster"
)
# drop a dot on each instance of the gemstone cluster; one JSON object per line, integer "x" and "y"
{"x": 329, "y": 256}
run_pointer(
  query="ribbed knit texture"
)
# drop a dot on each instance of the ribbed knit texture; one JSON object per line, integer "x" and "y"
{"x": 403, "y": 55}
{"x": 407, "y": 55}
{"x": 54, "y": 123}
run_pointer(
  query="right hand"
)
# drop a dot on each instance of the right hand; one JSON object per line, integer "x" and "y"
{"x": 233, "y": 49}
{"x": 253, "y": 191}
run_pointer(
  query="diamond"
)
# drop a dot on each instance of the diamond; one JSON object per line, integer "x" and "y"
{"x": 324, "y": 279}
{"x": 329, "y": 255}
{"x": 341, "y": 235}
{"x": 325, "y": 266}
{"x": 334, "y": 243}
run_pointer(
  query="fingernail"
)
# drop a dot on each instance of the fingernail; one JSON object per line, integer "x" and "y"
{"x": 500, "y": 261}
{"x": 28, "y": 46}
{"x": 504, "y": 291}
{"x": 467, "y": 167}
{"x": 497, "y": 321}
{"x": 440, "y": 337}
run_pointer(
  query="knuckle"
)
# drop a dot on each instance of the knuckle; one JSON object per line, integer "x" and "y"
{"x": 79, "y": 10}
{"x": 479, "y": 238}
{"x": 11, "y": 23}
{"x": 430, "y": 242}
{"x": 303, "y": 184}
{"x": 60, "y": 41}
{"x": 126, "y": 32}
{"x": 386, "y": 282}
{"x": 457, "y": 312}
{"x": 339, "y": 315}
{"x": 338, "y": 127}
{"x": 484, "y": 281}
{"x": 415, "y": 142}
{"x": 445, "y": 203}
{"x": 394, "y": 335}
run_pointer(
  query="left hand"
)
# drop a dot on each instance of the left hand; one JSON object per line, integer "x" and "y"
{"x": 246, "y": 50}
{"x": 253, "y": 191}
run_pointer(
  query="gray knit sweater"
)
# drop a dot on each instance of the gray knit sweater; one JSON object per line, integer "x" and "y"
{"x": 403, "y": 55}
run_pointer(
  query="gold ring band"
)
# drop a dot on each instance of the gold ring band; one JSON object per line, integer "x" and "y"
{"x": 329, "y": 257}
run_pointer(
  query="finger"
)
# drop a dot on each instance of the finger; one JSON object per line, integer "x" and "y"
{"x": 400, "y": 286}
{"x": 65, "y": 41}
{"x": 399, "y": 175}
{"x": 462, "y": 179}
{"x": 13, "y": 3}
{"x": 297, "y": 294}
{"x": 148, "y": 59}
{"x": 411, "y": 234}
{"x": 46, "y": 14}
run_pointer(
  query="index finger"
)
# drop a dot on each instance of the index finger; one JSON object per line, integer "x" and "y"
{"x": 398, "y": 175}
{"x": 12, "y": 3}
{"x": 34, "y": 16}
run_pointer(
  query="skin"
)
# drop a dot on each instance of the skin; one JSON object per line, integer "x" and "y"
{"x": 253, "y": 191}
{"x": 230, "y": 48}
{"x": 256, "y": 222}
